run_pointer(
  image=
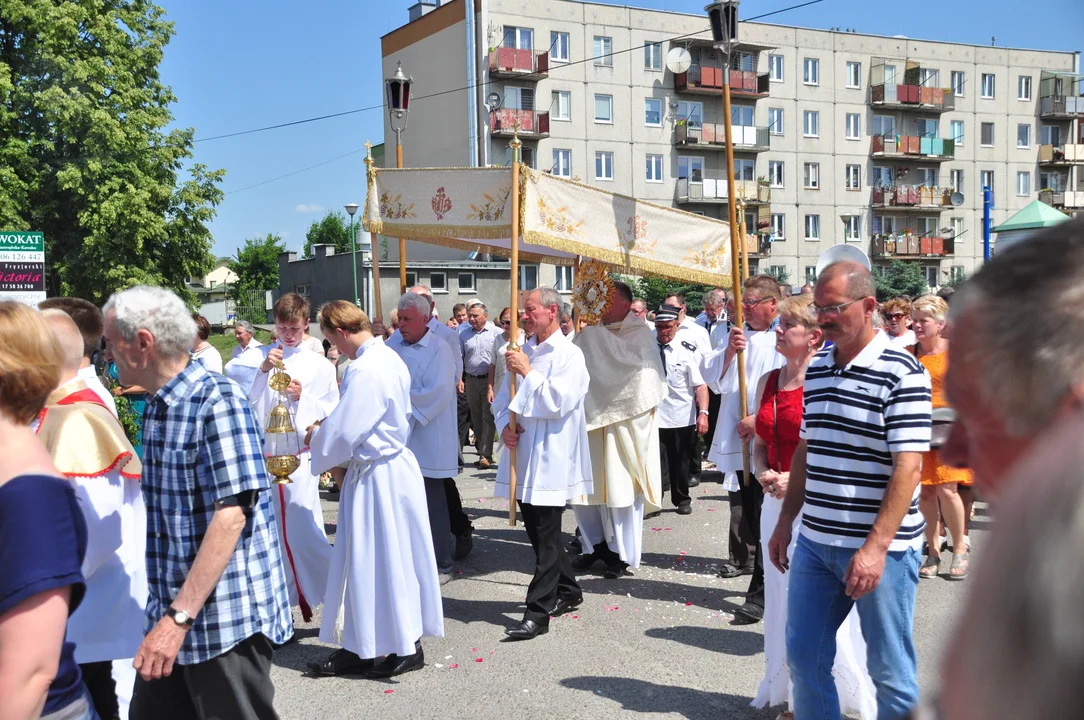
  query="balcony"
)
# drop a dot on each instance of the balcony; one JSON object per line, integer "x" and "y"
{"x": 908, "y": 246}
{"x": 712, "y": 136}
{"x": 1063, "y": 199}
{"x": 532, "y": 125}
{"x": 1061, "y": 155}
{"x": 510, "y": 63}
{"x": 912, "y": 97}
{"x": 706, "y": 80}
{"x": 905, "y": 198}
{"x": 758, "y": 246}
{"x": 912, "y": 147}
{"x": 713, "y": 189}
{"x": 1061, "y": 96}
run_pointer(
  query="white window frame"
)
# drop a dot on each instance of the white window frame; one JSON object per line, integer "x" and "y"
{"x": 690, "y": 106}
{"x": 925, "y": 75}
{"x": 811, "y": 176}
{"x": 1023, "y": 183}
{"x": 519, "y": 30}
{"x": 988, "y": 93}
{"x": 852, "y": 176}
{"x": 956, "y": 180}
{"x": 852, "y": 232}
{"x": 1048, "y": 133}
{"x": 812, "y": 222}
{"x": 653, "y": 163}
{"x": 563, "y": 279}
{"x": 411, "y": 278}
{"x": 810, "y": 274}
{"x": 811, "y": 71}
{"x": 957, "y": 224}
{"x": 882, "y": 120}
{"x": 607, "y": 158}
{"x": 957, "y": 139}
{"x": 879, "y": 171}
{"x": 993, "y": 135}
{"x": 777, "y": 173}
{"x": 932, "y": 272}
{"x": 442, "y": 287}
{"x": 1027, "y": 135}
{"x": 469, "y": 289}
{"x": 516, "y": 91}
{"x": 778, "y": 126}
{"x": 775, "y": 63}
{"x": 525, "y": 276}
{"x": 857, "y": 126}
{"x": 958, "y": 87}
{"x": 779, "y": 229}
{"x": 560, "y": 154}
{"x": 691, "y": 160}
{"x": 816, "y": 118}
{"x": 603, "y": 47}
{"x": 854, "y": 75}
{"x": 1023, "y": 88}
{"x": 927, "y": 177}
{"x": 609, "y": 99}
{"x": 653, "y": 56}
{"x": 657, "y": 102}
{"x": 555, "y": 46}
{"x": 742, "y": 164}
{"x": 983, "y": 174}
{"x": 555, "y": 105}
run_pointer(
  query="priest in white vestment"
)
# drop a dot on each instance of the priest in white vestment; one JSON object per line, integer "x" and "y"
{"x": 433, "y": 416}
{"x": 552, "y": 459}
{"x": 627, "y": 385}
{"x": 313, "y": 394}
{"x": 383, "y": 593}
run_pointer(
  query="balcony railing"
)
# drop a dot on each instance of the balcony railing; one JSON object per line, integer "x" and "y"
{"x": 510, "y": 62}
{"x": 531, "y": 124}
{"x": 1061, "y": 154}
{"x": 911, "y": 197}
{"x": 709, "y": 80}
{"x": 1066, "y": 107}
{"x": 926, "y": 148}
{"x": 754, "y": 139}
{"x": 908, "y": 245}
{"x": 1063, "y": 199}
{"x": 913, "y": 97}
{"x": 713, "y": 188}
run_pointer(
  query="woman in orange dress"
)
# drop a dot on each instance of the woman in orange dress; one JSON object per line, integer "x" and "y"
{"x": 939, "y": 482}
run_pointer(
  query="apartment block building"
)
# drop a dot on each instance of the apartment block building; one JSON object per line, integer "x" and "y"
{"x": 883, "y": 142}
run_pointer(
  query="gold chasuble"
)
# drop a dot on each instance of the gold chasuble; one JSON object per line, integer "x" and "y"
{"x": 83, "y": 437}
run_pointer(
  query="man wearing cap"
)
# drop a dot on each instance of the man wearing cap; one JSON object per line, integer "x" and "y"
{"x": 683, "y": 414}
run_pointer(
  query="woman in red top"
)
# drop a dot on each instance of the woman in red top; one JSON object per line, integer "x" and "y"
{"x": 778, "y": 422}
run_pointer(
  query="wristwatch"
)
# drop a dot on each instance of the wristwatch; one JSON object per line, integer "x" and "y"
{"x": 703, "y": 412}
{"x": 181, "y": 617}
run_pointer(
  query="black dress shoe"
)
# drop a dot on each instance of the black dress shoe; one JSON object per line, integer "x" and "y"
{"x": 527, "y": 630}
{"x": 341, "y": 662}
{"x": 685, "y": 509}
{"x": 565, "y": 605}
{"x": 464, "y": 543}
{"x": 652, "y": 514}
{"x": 615, "y": 570}
{"x": 750, "y": 613}
{"x": 584, "y": 561}
{"x": 393, "y": 664}
{"x": 694, "y": 481}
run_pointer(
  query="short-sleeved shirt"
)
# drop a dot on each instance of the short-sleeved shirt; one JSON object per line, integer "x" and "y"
{"x": 678, "y": 408}
{"x": 43, "y": 539}
{"x": 201, "y": 444}
{"x": 477, "y": 348}
{"x": 855, "y": 418}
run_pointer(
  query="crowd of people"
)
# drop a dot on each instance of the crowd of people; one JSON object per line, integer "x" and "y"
{"x": 156, "y": 578}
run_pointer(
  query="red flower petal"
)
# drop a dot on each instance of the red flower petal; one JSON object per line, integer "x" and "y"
{"x": 388, "y": 692}
{"x": 453, "y": 666}
{"x": 479, "y": 659}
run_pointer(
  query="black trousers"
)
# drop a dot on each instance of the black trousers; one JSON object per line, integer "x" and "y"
{"x": 714, "y": 402}
{"x": 742, "y": 544}
{"x": 462, "y": 406}
{"x": 459, "y": 521}
{"x": 481, "y": 417}
{"x": 235, "y": 685}
{"x": 752, "y": 500}
{"x": 677, "y": 445}
{"x": 98, "y": 677}
{"x": 553, "y": 574}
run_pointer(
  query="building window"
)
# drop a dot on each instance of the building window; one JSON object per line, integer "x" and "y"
{"x": 927, "y": 77}
{"x": 956, "y": 180}
{"x": 744, "y": 170}
{"x": 956, "y": 131}
{"x": 526, "y": 156}
{"x": 438, "y": 282}
{"x": 563, "y": 282}
{"x": 1023, "y": 135}
{"x": 604, "y": 166}
{"x": 304, "y": 290}
{"x": 561, "y": 105}
{"x": 775, "y": 173}
{"x": 812, "y": 227}
{"x": 691, "y": 112}
{"x": 854, "y": 177}
{"x": 604, "y": 109}
{"x": 741, "y": 115}
{"x": 653, "y": 112}
{"x": 691, "y": 167}
{"x": 884, "y": 125}
{"x": 890, "y": 74}
{"x": 775, "y": 121}
{"x": 604, "y": 48}
{"x": 653, "y": 56}
{"x": 465, "y": 281}
{"x": 810, "y": 274}
{"x": 933, "y": 275}
{"x": 1023, "y": 87}
{"x": 779, "y": 226}
{"x": 518, "y": 38}
{"x": 1023, "y": 184}
{"x": 1050, "y": 181}
{"x": 854, "y": 126}
{"x": 1051, "y": 135}
{"x": 811, "y": 176}
{"x": 884, "y": 225}
{"x": 559, "y": 46}
{"x": 986, "y": 179}
{"x": 811, "y": 71}
{"x": 926, "y": 127}
{"x": 957, "y": 226}
{"x": 562, "y": 163}
{"x": 927, "y": 177}
{"x": 811, "y": 123}
{"x": 528, "y": 277}
{"x": 988, "y": 86}
{"x": 854, "y": 75}
{"x": 958, "y": 83}
{"x": 987, "y": 135}
{"x": 852, "y": 229}
{"x": 775, "y": 68}
{"x": 882, "y": 176}
{"x": 654, "y": 168}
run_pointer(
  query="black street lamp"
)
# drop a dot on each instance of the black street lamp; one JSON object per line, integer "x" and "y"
{"x": 397, "y": 88}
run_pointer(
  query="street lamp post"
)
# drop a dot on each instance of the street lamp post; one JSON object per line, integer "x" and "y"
{"x": 398, "y": 94}
{"x": 352, "y": 208}
{"x": 846, "y": 225}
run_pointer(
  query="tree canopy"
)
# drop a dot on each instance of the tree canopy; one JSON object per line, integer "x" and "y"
{"x": 85, "y": 156}
{"x": 902, "y": 279}
{"x": 655, "y": 290}
{"x": 257, "y": 268}
{"x": 332, "y": 229}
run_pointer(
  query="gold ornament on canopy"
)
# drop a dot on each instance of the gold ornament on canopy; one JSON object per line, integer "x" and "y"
{"x": 282, "y": 445}
{"x": 591, "y": 296}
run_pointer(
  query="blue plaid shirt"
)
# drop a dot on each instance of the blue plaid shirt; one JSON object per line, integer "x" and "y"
{"x": 202, "y": 443}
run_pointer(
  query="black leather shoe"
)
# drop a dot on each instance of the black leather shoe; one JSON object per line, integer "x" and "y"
{"x": 341, "y": 662}
{"x": 393, "y": 665}
{"x": 750, "y": 613}
{"x": 566, "y": 605}
{"x": 584, "y": 561}
{"x": 616, "y": 569}
{"x": 464, "y": 543}
{"x": 694, "y": 481}
{"x": 685, "y": 510}
{"x": 527, "y": 630}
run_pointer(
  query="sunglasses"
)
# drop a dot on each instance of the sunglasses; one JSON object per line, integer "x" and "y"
{"x": 896, "y": 316}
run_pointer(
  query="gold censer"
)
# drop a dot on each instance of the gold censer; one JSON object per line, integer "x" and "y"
{"x": 283, "y": 447}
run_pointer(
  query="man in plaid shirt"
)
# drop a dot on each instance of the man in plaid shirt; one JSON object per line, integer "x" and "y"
{"x": 217, "y": 588}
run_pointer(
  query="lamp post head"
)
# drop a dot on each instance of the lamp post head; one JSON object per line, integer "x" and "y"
{"x": 351, "y": 208}
{"x": 723, "y": 16}
{"x": 398, "y": 92}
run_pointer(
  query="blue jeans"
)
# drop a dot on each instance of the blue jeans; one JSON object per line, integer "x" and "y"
{"x": 817, "y": 604}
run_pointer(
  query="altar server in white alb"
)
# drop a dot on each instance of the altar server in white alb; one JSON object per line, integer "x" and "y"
{"x": 553, "y": 462}
{"x": 313, "y": 394}
{"x": 383, "y": 594}
{"x": 432, "y": 417}
{"x": 89, "y": 446}
{"x": 627, "y": 386}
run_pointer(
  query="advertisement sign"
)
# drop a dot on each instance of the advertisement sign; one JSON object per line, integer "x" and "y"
{"x": 22, "y": 266}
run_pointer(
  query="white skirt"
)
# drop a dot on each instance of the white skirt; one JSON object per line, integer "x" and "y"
{"x": 857, "y": 694}
{"x": 383, "y": 593}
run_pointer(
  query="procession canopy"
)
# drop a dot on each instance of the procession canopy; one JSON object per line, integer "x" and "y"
{"x": 470, "y": 208}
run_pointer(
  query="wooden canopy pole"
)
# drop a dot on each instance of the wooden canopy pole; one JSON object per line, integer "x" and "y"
{"x": 744, "y": 239}
{"x": 402, "y": 241}
{"x": 374, "y": 246}
{"x": 513, "y": 314}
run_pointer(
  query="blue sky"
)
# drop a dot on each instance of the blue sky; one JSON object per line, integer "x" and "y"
{"x": 242, "y": 64}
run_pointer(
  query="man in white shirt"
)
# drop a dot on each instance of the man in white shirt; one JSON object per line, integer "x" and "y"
{"x": 692, "y": 332}
{"x": 683, "y": 414}
{"x": 478, "y": 341}
{"x": 242, "y": 332}
{"x": 88, "y": 318}
{"x": 568, "y": 327}
{"x": 432, "y": 416}
{"x": 639, "y": 309}
{"x": 714, "y": 315}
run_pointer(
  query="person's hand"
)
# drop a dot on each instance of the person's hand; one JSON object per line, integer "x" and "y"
{"x": 864, "y": 571}
{"x": 736, "y": 343}
{"x": 460, "y": 387}
{"x": 117, "y": 391}
{"x": 777, "y": 546}
{"x": 309, "y": 432}
{"x": 489, "y": 395}
{"x": 517, "y": 363}
{"x": 766, "y": 478}
{"x": 701, "y": 424}
{"x": 155, "y": 656}
{"x": 273, "y": 358}
{"x": 747, "y": 428}
{"x": 510, "y": 436}
{"x": 293, "y": 391}
{"x": 782, "y": 480}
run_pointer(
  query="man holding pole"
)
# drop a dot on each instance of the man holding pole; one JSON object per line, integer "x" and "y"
{"x": 549, "y": 443}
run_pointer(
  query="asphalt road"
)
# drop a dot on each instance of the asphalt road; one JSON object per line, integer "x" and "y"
{"x": 662, "y": 642}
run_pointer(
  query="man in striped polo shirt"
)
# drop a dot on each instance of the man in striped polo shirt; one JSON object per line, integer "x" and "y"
{"x": 854, "y": 480}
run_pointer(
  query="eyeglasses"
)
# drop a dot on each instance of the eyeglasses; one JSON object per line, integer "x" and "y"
{"x": 506, "y": 322}
{"x": 833, "y": 309}
{"x": 895, "y": 316}
{"x": 754, "y": 303}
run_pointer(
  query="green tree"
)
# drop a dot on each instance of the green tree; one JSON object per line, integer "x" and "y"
{"x": 257, "y": 268}
{"x": 901, "y": 279}
{"x": 85, "y": 156}
{"x": 332, "y": 229}
{"x": 655, "y": 290}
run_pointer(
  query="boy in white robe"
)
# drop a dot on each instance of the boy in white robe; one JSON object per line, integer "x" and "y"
{"x": 383, "y": 594}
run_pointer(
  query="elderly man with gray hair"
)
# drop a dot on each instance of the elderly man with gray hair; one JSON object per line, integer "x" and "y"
{"x": 217, "y": 601}
{"x": 478, "y": 342}
{"x": 242, "y": 332}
